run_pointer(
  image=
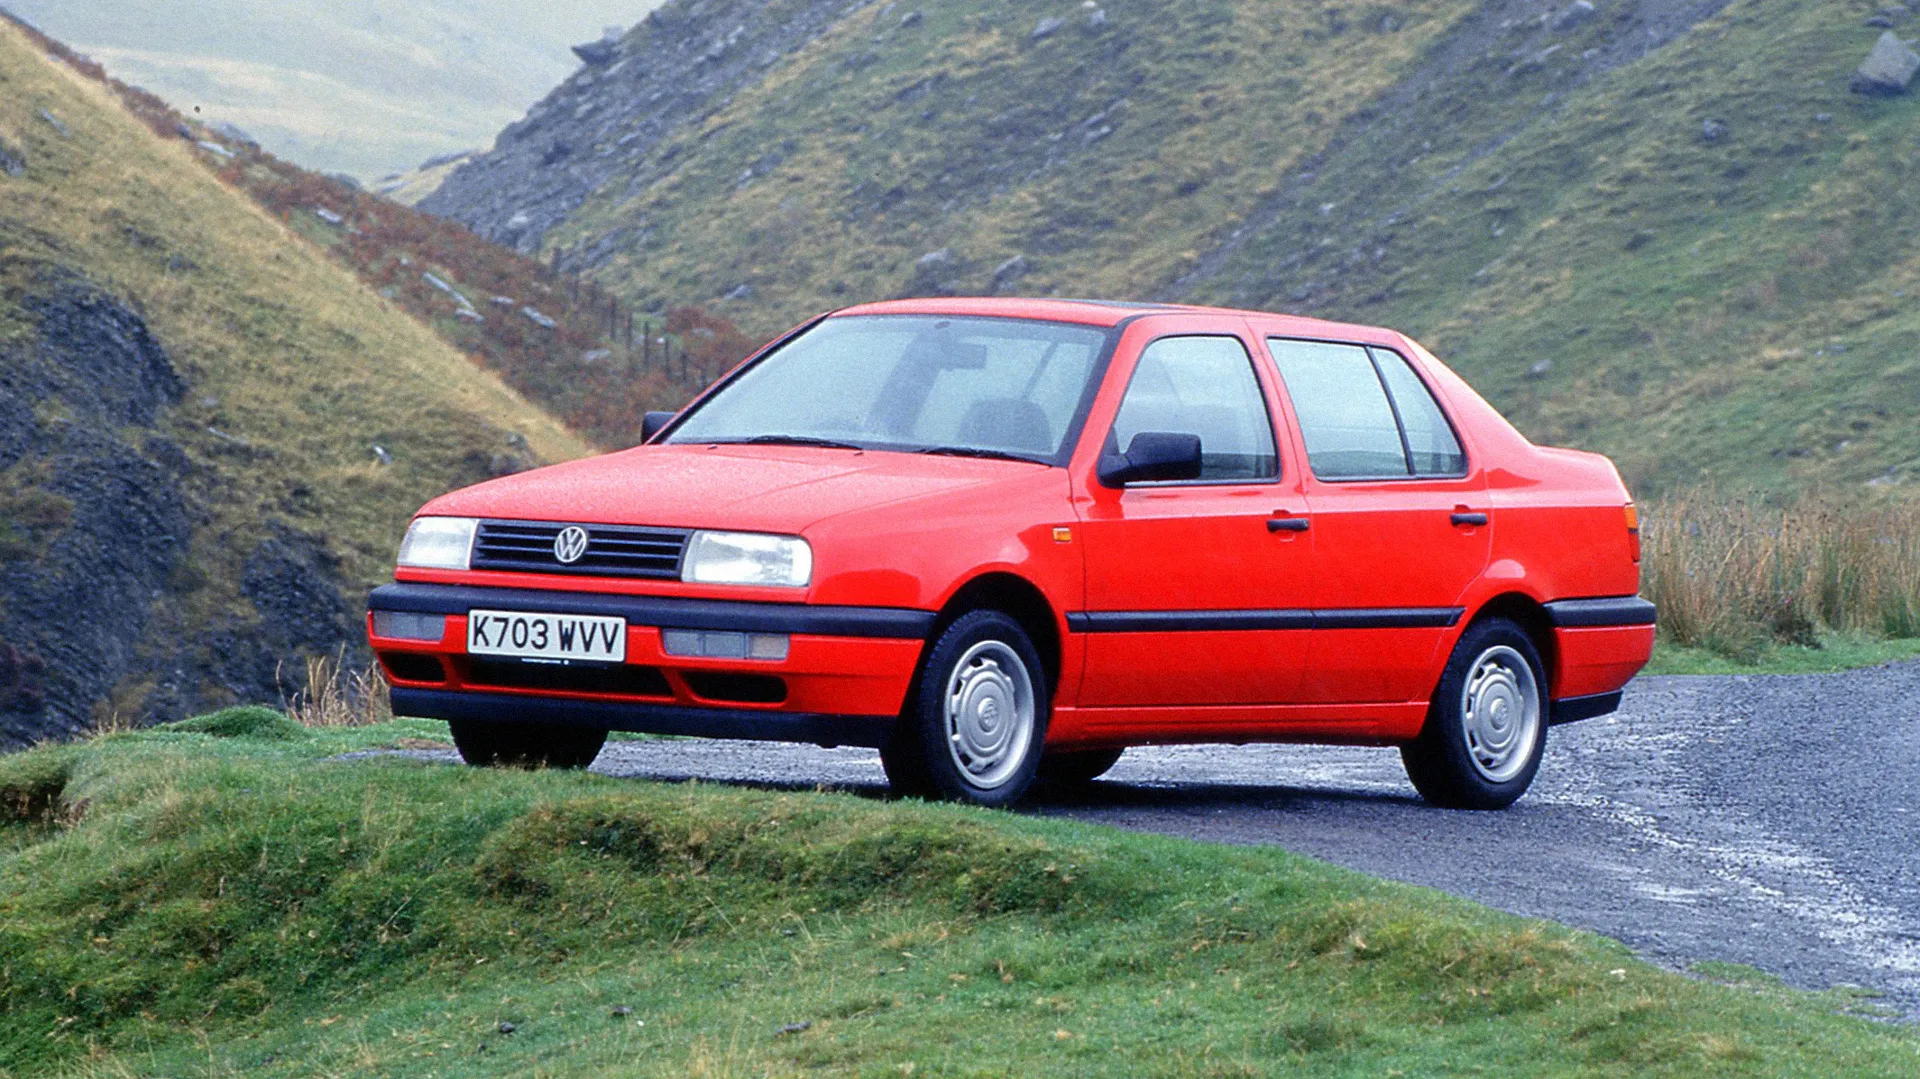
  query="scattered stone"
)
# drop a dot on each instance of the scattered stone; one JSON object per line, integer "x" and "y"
{"x": 181, "y": 129}
{"x": 1878, "y": 22}
{"x": 1009, "y": 271}
{"x": 1823, "y": 118}
{"x": 933, "y": 259}
{"x": 538, "y": 319}
{"x": 1540, "y": 369}
{"x": 911, "y": 18}
{"x": 793, "y": 1028}
{"x": 740, "y": 292}
{"x": 595, "y": 355}
{"x": 328, "y": 216}
{"x": 381, "y": 454}
{"x": 12, "y": 162}
{"x": 1577, "y": 14}
{"x": 232, "y": 133}
{"x": 57, "y": 125}
{"x": 1097, "y": 18}
{"x": 506, "y": 1027}
{"x": 1887, "y": 69}
{"x": 470, "y": 315}
{"x": 621, "y": 1011}
{"x": 505, "y": 301}
{"x": 598, "y": 53}
{"x": 434, "y": 280}
{"x": 350, "y": 182}
{"x": 1095, "y": 135}
{"x": 1047, "y": 26}
{"x": 216, "y": 149}
{"x": 1714, "y": 130}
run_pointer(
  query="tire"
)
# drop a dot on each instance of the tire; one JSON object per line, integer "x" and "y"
{"x": 976, "y": 716}
{"x": 1069, "y": 770}
{"x": 1487, "y": 727}
{"x": 509, "y": 744}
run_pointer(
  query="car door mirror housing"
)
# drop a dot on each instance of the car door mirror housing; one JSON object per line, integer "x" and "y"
{"x": 654, "y": 423}
{"x": 1153, "y": 456}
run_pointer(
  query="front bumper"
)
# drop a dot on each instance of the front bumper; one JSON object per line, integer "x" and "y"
{"x": 842, "y": 683}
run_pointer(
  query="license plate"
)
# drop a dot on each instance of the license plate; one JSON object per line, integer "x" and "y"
{"x": 547, "y": 636}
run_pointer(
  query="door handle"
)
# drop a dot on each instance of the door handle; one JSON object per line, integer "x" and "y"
{"x": 1286, "y": 524}
{"x": 1473, "y": 519}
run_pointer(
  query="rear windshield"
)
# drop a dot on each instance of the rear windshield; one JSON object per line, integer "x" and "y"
{"x": 994, "y": 386}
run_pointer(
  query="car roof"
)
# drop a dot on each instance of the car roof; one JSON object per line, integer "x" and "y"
{"x": 1107, "y": 313}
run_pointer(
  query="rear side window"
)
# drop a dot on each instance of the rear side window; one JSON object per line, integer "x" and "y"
{"x": 1432, "y": 448}
{"x": 1364, "y": 414}
{"x": 1344, "y": 413}
{"x": 1202, "y": 386}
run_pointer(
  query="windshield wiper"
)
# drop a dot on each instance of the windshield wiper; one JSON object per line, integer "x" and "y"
{"x": 975, "y": 451}
{"x": 787, "y": 440}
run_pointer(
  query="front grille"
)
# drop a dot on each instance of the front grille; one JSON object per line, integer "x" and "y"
{"x": 621, "y": 679}
{"x": 612, "y": 550}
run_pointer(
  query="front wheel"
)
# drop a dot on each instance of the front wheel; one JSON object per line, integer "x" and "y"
{"x": 1487, "y": 727}
{"x": 976, "y": 716}
{"x": 509, "y": 744}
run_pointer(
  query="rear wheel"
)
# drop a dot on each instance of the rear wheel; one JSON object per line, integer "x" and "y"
{"x": 976, "y": 716}
{"x": 509, "y": 744}
{"x": 1487, "y": 727}
{"x": 1065, "y": 770}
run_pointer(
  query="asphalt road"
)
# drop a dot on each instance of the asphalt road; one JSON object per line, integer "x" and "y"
{"x": 1772, "y": 821}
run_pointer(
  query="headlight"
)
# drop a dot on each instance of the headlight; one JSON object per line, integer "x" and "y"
{"x": 438, "y": 543}
{"x": 747, "y": 558}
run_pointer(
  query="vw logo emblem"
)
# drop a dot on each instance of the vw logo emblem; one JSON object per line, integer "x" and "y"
{"x": 570, "y": 544}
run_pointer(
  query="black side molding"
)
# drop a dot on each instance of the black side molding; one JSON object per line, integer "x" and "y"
{"x": 747, "y": 723}
{"x": 1605, "y": 611}
{"x": 1193, "y": 621}
{"x": 668, "y": 611}
{"x": 1574, "y": 709}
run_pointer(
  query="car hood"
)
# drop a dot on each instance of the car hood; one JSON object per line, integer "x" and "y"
{"x": 752, "y": 488}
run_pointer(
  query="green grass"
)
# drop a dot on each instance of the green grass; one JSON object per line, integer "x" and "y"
{"x": 1837, "y": 652}
{"x": 237, "y": 900}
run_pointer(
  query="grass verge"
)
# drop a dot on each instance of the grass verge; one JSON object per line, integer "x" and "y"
{"x": 234, "y": 898}
{"x": 1834, "y": 652}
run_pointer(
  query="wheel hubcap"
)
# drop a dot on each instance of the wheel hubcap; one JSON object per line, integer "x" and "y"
{"x": 1500, "y": 709}
{"x": 989, "y": 714}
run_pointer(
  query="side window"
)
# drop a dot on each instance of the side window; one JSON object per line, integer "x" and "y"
{"x": 1430, "y": 440}
{"x": 1344, "y": 414}
{"x": 1202, "y": 386}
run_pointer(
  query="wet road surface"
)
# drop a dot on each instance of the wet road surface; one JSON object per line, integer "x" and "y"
{"x": 1772, "y": 821}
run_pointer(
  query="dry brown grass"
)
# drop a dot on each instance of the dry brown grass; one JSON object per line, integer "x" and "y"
{"x": 1738, "y": 574}
{"x": 336, "y": 695}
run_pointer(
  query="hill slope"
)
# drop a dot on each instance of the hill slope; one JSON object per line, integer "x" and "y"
{"x": 190, "y": 398}
{"x": 1535, "y": 188}
{"x": 357, "y": 86}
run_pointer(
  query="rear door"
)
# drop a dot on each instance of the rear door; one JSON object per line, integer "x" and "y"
{"x": 1197, "y": 590}
{"x": 1401, "y": 523}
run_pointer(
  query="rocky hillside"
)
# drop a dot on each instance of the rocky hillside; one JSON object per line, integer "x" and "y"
{"x": 210, "y": 434}
{"x": 1666, "y": 229}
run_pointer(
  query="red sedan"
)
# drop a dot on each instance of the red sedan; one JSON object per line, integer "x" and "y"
{"x": 1002, "y": 540}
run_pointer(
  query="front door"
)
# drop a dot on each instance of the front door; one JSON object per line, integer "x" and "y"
{"x": 1197, "y": 590}
{"x": 1401, "y": 523}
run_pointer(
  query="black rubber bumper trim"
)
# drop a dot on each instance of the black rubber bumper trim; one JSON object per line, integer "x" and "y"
{"x": 1605, "y": 611}
{"x": 1574, "y": 709}
{"x": 1192, "y": 621}
{"x": 826, "y": 730}
{"x": 668, "y": 611}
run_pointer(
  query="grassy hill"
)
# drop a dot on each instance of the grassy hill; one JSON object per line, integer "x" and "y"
{"x": 190, "y": 401}
{"x": 359, "y": 86}
{"x": 1663, "y": 230}
{"x": 229, "y": 897}
{"x": 566, "y": 344}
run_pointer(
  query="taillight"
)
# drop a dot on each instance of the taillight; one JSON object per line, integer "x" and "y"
{"x": 1633, "y": 531}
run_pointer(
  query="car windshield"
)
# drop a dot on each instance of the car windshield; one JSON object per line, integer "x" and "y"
{"x": 993, "y": 387}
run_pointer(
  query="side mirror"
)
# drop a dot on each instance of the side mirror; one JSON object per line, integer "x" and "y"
{"x": 653, "y": 424}
{"x": 1153, "y": 455}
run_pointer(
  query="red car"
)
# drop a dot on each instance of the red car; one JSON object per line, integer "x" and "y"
{"x": 1002, "y": 540}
